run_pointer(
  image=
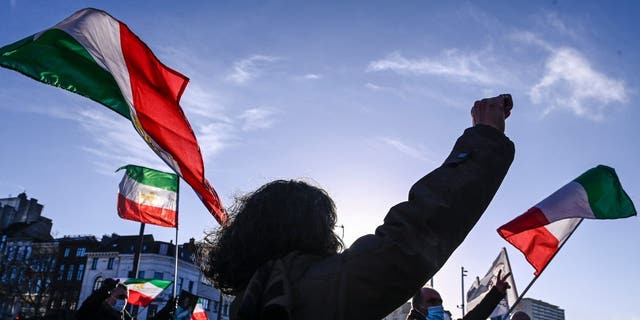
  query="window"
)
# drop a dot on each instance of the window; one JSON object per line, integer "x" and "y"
{"x": 12, "y": 253}
{"x": 70, "y": 272}
{"x": 27, "y": 253}
{"x": 216, "y": 305}
{"x": 20, "y": 254}
{"x": 3, "y": 242}
{"x": 110, "y": 263}
{"x": 81, "y": 252}
{"x": 94, "y": 263}
{"x": 151, "y": 311}
{"x": 180, "y": 281}
{"x": 190, "y": 286}
{"x": 67, "y": 251}
{"x": 225, "y": 309}
{"x": 205, "y": 303}
{"x": 80, "y": 272}
{"x": 141, "y": 274}
{"x": 98, "y": 283}
{"x": 61, "y": 272}
{"x": 157, "y": 275}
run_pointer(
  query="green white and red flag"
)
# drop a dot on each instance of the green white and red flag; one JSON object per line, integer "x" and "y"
{"x": 143, "y": 291}
{"x": 198, "y": 312}
{"x": 541, "y": 231}
{"x": 94, "y": 55}
{"x": 148, "y": 196}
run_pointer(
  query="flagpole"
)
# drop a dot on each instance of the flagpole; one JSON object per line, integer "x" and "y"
{"x": 545, "y": 267}
{"x": 175, "y": 267}
{"x": 136, "y": 256}
{"x": 511, "y": 270}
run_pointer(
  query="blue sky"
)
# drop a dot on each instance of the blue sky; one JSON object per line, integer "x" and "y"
{"x": 361, "y": 98}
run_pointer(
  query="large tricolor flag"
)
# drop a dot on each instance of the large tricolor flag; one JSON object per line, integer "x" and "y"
{"x": 148, "y": 196}
{"x": 198, "y": 312}
{"x": 93, "y": 54}
{"x": 539, "y": 232}
{"x": 143, "y": 291}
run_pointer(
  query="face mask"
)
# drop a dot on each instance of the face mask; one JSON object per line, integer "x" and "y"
{"x": 120, "y": 304}
{"x": 435, "y": 313}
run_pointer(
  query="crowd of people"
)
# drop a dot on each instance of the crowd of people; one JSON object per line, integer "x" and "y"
{"x": 280, "y": 258}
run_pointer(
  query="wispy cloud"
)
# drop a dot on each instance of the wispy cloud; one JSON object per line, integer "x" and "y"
{"x": 530, "y": 38}
{"x": 402, "y": 148}
{"x": 115, "y": 141}
{"x": 247, "y": 69}
{"x": 558, "y": 24}
{"x": 570, "y": 82}
{"x": 454, "y": 64}
{"x": 311, "y": 76}
{"x": 258, "y": 118}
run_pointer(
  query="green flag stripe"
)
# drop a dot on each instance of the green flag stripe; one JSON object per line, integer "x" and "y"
{"x": 163, "y": 284}
{"x": 606, "y": 196}
{"x": 151, "y": 177}
{"x": 57, "y": 59}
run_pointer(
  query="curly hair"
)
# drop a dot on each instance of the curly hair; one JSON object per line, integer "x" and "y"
{"x": 280, "y": 217}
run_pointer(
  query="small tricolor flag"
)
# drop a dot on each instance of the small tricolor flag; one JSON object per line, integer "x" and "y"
{"x": 94, "y": 55}
{"x": 143, "y": 291}
{"x": 539, "y": 232}
{"x": 198, "y": 312}
{"x": 148, "y": 196}
{"x": 480, "y": 288}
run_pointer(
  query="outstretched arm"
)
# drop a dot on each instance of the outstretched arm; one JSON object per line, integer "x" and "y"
{"x": 381, "y": 271}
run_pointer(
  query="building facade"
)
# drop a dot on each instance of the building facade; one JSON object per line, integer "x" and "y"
{"x": 70, "y": 266}
{"x": 114, "y": 259}
{"x": 27, "y": 257}
{"x": 540, "y": 310}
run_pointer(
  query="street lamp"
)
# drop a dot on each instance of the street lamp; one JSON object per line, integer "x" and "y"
{"x": 463, "y": 273}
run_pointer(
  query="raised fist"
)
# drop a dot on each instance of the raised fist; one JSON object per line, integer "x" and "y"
{"x": 492, "y": 111}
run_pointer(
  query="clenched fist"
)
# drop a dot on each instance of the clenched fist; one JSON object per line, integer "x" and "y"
{"x": 492, "y": 111}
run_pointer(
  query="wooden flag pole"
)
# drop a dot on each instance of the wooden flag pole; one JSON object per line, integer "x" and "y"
{"x": 545, "y": 267}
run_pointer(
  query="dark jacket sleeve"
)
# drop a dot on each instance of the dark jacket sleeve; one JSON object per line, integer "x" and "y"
{"x": 484, "y": 309}
{"x": 91, "y": 306}
{"x": 382, "y": 271}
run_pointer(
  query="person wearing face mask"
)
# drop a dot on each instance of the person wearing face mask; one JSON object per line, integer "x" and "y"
{"x": 106, "y": 303}
{"x": 427, "y": 303}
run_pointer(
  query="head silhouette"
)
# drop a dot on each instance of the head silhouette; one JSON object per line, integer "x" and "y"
{"x": 278, "y": 218}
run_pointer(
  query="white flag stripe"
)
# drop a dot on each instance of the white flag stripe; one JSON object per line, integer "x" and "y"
{"x": 569, "y": 201}
{"x": 99, "y": 34}
{"x": 562, "y": 229}
{"x": 147, "y": 195}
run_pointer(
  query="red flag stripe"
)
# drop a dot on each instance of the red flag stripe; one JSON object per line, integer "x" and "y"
{"x": 138, "y": 299}
{"x": 533, "y": 218}
{"x": 538, "y": 245}
{"x": 163, "y": 119}
{"x": 131, "y": 210}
